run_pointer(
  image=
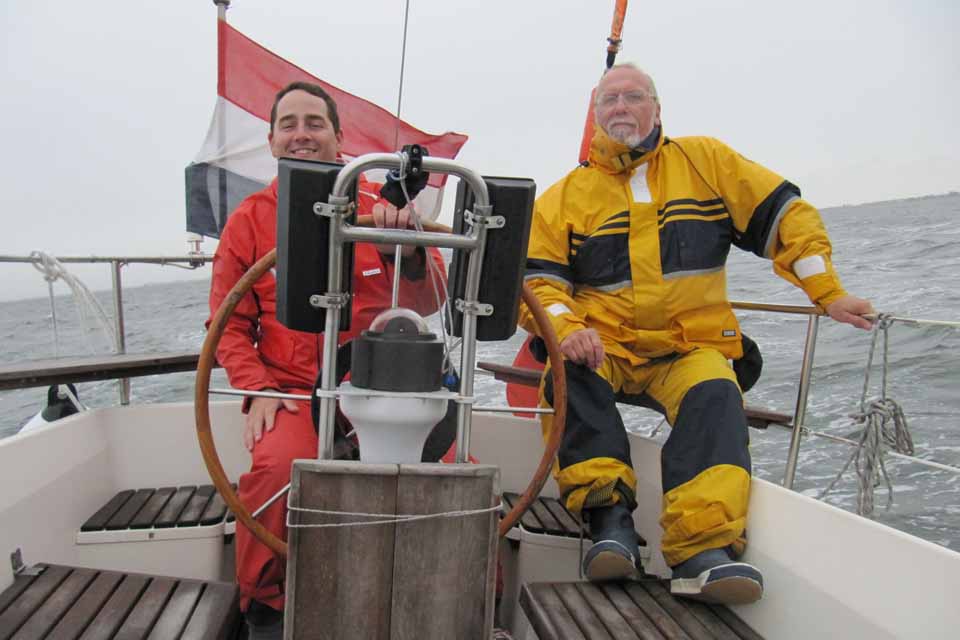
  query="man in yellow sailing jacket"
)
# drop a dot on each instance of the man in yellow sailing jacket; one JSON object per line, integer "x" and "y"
{"x": 627, "y": 255}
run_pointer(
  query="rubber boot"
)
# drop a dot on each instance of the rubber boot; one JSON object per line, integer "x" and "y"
{"x": 713, "y": 576}
{"x": 263, "y": 622}
{"x": 615, "y": 551}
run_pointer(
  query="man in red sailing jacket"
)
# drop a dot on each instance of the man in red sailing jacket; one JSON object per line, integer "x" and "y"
{"x": 259, "y": 353}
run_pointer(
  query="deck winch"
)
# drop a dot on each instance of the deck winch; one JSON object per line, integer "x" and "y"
{"x": 398, "y": 355}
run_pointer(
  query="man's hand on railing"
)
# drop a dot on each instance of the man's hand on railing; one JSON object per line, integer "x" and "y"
{"x": 851, "y": 309}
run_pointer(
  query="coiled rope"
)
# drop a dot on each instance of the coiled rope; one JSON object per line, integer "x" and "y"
{"x": 885, "y": 427}
{"x": 89, "y": 311}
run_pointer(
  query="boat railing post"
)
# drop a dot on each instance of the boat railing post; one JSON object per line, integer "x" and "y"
{"x": 328, "y": 378}
{"x": 468, "y": 352}
{"x": 120, "y": 345}
{"x": 800, "y": 413}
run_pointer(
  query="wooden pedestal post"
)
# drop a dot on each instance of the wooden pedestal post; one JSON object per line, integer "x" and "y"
{"x": 423, "y": 579}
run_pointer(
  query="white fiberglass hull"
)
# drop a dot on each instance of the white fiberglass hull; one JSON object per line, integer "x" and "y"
{"x": 827, "y": 572}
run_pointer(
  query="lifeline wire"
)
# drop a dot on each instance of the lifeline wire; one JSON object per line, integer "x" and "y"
{"x": 885, "y": 425}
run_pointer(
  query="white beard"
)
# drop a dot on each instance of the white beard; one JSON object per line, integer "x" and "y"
{"x": 632, "y": 140}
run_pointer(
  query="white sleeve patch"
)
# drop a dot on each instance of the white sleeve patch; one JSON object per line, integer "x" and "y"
{"x": 809, "y": 266}
{"x": 558, "y": 309}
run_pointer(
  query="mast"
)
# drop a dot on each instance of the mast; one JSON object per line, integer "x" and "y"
{"x": 613, "y": 47}
{"x": 222, "y": 6}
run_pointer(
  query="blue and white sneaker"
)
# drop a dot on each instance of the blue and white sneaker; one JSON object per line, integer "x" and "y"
{"x": 712, "y": 576}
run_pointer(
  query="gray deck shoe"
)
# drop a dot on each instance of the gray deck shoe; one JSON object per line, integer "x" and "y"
{"x": 615, "y": 551}
{"x": 712, "y": 576}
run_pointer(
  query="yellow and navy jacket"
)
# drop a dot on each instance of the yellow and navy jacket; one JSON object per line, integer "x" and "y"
{"x": 634, "y": 244}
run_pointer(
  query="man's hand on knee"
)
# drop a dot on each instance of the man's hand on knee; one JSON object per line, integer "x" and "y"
{"x": 583, "y": 347}
{"x": 262, "y": 416}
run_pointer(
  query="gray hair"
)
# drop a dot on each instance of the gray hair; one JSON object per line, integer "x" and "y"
{"x": 631, "y": 65}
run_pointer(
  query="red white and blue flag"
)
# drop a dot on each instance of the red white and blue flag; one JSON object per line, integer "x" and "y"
{"x": 235, "y": 158}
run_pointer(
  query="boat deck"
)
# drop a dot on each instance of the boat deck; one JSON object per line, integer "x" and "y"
{"x": 630, "y": 610}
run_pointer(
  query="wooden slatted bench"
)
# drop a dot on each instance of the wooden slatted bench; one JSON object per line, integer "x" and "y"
{"x": 54, "y": 601}
{"x": 179, "y": 530}
{"x": 548, "y": 516}
{"x": 164, "y": 513}
{"x": 629, "y": 610}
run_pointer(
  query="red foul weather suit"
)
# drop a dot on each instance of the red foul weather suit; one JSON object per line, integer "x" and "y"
{"x": 260, "y": 353}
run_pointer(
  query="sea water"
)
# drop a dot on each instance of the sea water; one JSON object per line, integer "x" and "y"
{"x": 902, "y": 255}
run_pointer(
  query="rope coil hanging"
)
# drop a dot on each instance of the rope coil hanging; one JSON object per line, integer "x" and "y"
{"x": 884, "y": 427}
{"x": 90, "y": 313}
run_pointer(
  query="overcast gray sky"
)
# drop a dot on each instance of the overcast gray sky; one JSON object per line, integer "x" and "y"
{"x": 105, "y": 102}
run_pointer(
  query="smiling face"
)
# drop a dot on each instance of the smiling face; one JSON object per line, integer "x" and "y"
{"x": 627, "y": 107}
{"x": 303, "y": 129}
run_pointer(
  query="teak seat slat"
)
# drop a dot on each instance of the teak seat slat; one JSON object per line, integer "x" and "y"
{"x": 122, "y": 518}
{"x": 528, "y": 520}
{"x": 86, "y": 607}
{"x": 117, "y": 608}
{"x": 567, "y": 521}
{"x": 214, "y": 610}
{"x": 57, "y": 604}
{"x": 646, "y": 603}
{"x": 546, "y": 516}
{"x": 31, "y": 598}
{"x": 174, "y": 616}
{"x": 99, "y": 520}
{"x": 547, "y": 519}
{"x": 174, "y": 507}
{"x": 67, "y": 603}
{"x": 190, "y": 517}
{"x": 581, "y": 611}
{"x": 215, "y": 511}
{"x": 607, "y": 612}
{"x": 649, "y": 622}
{"x": 147, "y": 609}
{"x": 548, "y": 614}
{"x": 644, "y": 609}
{"x": 154, "y": 506}
{"x": 679, "y": 610}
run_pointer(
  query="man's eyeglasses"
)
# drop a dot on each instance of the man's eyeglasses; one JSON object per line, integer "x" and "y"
{"x": 630, "y": 98}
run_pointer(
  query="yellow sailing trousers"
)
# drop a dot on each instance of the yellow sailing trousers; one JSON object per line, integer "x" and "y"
{"x": 705, "y": 463}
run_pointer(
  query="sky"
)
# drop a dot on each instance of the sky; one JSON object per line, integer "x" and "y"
{"x": 106, "y": 102}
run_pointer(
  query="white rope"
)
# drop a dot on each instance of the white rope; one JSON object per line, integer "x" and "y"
{"x": 385, "y": 518}
{"x": 885, "y": 427}
{"x": 89, "y": 310}
{"x": 443, "y": 302}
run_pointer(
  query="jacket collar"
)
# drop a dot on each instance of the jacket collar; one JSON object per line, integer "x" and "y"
{"x": 615, "y": 157}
